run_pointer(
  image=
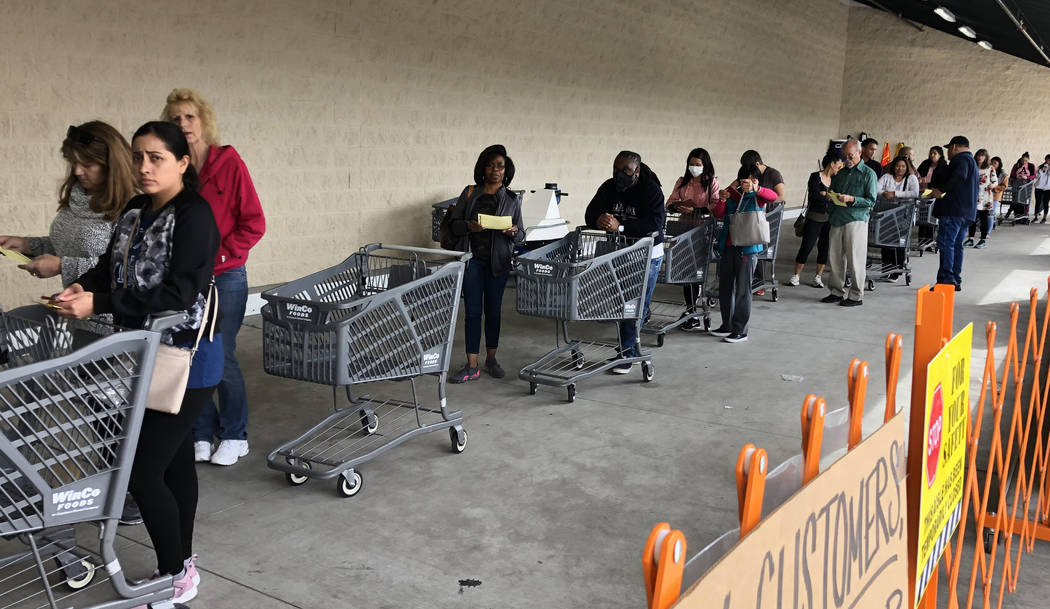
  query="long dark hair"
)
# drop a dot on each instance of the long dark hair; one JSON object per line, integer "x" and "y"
{"x": 707, "y": 174}
{"x": 486, "y": 157}
{"x": 175, "y": 142}
{"x": 940, "y": 154}
{"x": 1001, "y": 170}
{"x": 987, "y": 161}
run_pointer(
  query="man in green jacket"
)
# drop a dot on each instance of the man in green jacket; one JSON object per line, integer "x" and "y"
{"x": 855, "y": 187}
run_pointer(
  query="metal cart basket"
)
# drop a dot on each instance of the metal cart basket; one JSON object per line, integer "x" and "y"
{"x": 1016, "y": 199}
{"x": 687, "y": 259}
{"x": 926, "y": 222}
{"x": 585, "y": 276}
{"x": 69, "y": 426}
{"x": 889, "y": 231}
{"x": 387, "y": 312}
{"x": 765, "y": 267}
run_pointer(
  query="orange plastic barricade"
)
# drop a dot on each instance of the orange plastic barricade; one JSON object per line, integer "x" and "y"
{"x": 858, "y": 392}
{"x": 751, "y": 469}
{"x": 894, "y": 348}
{"x": 813, "y": 412}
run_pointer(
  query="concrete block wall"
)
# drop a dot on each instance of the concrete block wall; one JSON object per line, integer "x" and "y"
{"x": 354, "y": 116}
{"x": 921, "y": 88}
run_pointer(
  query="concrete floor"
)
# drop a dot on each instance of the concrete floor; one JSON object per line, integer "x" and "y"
{"x": 551, "y": 502}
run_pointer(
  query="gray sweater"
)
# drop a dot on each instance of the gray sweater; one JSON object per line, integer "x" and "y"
{"x": 78, "y": 235}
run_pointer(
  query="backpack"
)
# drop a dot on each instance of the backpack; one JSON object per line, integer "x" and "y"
{"x": 450, "y": 240}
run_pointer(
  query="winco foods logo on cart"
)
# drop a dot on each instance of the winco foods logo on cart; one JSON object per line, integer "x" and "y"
{"x": 299, "y": 311}
{"x": 67, "y": 502}
{"x": 543, "y": 269}
{"x": 431, "y": 361}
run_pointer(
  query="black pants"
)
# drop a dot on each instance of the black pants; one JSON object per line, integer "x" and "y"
{"x": 690, "y": 292}
{"x": 1042, "y": 200}
{"x": 983, "y": 222}
{"x": 893, "y": 257}
{"x": 814, "y": 232}
{"x": 164, "y": 480}
{"x": 735, "y": 272}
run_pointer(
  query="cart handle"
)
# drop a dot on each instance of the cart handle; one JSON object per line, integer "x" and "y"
{"x": 164, "y": 320}
{"x": 461, "y": 256}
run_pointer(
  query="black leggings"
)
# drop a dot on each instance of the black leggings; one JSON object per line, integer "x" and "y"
{"x": 164, "y": 480}
{"x": 983, "y": 222}
{"x": 690, "y": 292}
{"x": 814, "y": 232}
{"x": 1042, "y": 200}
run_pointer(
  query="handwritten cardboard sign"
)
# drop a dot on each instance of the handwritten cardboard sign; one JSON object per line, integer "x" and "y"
{"x": 839, "y": 543}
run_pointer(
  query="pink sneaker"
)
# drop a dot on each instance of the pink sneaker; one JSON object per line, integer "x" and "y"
{"x": 185, "y": 586}
{"x": 191, "y": 570}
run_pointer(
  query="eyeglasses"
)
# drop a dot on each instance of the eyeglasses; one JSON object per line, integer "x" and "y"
{"x": 83, "y": 137}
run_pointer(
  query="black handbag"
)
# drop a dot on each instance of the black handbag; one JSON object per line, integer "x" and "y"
{"x": 450, "y": 240}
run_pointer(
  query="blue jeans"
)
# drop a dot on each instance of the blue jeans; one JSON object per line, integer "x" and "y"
{"x": 483, "y": 294}
{"x": 230, "y": 420}
{"x": 629, "y": 329}
{"x": 951, "y": 234}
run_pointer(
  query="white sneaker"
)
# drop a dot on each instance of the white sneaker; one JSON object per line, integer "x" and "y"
{"x": 818, "y": 282}
{"x": 229, "y": 451}
{"x": 793, "y": 280}
{"x": 202, "y": 451}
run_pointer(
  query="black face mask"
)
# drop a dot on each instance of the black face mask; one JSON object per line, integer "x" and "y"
{"x": 623, "y": 181}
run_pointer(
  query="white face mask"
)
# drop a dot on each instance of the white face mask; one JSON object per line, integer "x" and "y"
{"x": 696, "y": 170}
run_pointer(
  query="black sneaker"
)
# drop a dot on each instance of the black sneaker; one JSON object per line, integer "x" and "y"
{"x": 958, "y": 287}
{"x": 846, "y": 302}
{"x": 130, "y": 515}
{"x": 831, "y": 298}
{"x": 465, "y": 375}
{"x": 968, "y": 242}
{"x": 981, "y": 245}
{"x": 494, "y": 369}
{"x": 720, "y": 332}
{"x": 691, "y": 325}
{"x": 735, "y": 338}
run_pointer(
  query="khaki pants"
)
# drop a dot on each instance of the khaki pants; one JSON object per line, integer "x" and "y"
{"x": 848, "y": 250}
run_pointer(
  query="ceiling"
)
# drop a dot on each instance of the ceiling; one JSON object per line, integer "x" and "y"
{"x": 988, "y": 20}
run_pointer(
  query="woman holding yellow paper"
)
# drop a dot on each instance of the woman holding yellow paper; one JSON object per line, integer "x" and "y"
{"x": 487, "y": 220}
{"x": 99, "y": 182}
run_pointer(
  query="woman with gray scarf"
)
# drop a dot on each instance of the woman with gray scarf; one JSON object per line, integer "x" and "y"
{"x": 99, "y": 183}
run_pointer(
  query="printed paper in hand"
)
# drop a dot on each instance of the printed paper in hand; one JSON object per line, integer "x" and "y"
{"x": 18, "y": 257}
{"x": 835, "y": 199}
{"x": 494, "y": 222}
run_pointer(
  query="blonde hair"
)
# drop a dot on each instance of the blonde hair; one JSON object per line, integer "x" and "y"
{"x": 209, "y": 128}
{"x": 111, "y": 150}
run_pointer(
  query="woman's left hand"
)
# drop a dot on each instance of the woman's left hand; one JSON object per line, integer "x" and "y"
{"x": 510, "y": 232}
{"x": 43, "y": 266}
{"x": 76, "y": 306}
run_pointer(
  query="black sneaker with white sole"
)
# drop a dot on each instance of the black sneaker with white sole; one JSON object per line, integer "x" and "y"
{"x": 719, "y": 332}
{"x": 735, "y": 338}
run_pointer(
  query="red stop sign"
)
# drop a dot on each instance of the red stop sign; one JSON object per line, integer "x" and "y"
{"x": 933, "y": 436}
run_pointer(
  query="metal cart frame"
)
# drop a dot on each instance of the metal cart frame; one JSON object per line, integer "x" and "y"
{"x": 585, "y": 276}
{"x": 889, "y": 226}
{"x": 765, "y": 267}
{"x": 388, "y": 312}
{"x": 1020, "y": 194}
{"x": 688, "y": 242}
{"x": 69, "y": 426}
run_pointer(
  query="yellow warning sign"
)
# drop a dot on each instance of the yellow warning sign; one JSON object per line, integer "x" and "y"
{"x": 944, "y": 452}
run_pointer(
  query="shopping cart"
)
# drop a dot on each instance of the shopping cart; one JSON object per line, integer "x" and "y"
{"x": 387, "y": 312}
{"x": 1017, "y": 200}
{"x": 69, "y": 425}
{"x": 765, "y": 267}
{"x": 687, "y": 257}
{"x": 926, "y": 224}
{"x": 585, "y": 276}
{"x": 889, "y": 240}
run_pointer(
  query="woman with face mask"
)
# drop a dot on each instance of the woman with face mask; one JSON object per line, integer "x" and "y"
{"x": 693, "y": 196}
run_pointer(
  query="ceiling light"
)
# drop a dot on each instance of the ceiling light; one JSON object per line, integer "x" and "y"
{"x": 945, "y": 14}
{"x": 984, "y": 44}
{"x": 968, "y": 31}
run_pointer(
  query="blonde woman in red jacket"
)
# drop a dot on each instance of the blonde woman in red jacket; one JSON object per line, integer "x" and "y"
{"x": 227, "y": 186}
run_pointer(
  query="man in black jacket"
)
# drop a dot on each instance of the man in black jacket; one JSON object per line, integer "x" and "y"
{"x": 631, "y": 203}
{"x": 956, "y": 210}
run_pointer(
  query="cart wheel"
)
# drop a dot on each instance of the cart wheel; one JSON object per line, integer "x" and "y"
{"x": 648, "y": 371}
{"x": 297, "y": 479}
{"x": 459, "y": 442}
{"x": 532, "y": 388}
{"x": 870, "y": 285}
{"x": 921, "y": 250}
{"x": 988, "y": 538}
{"x": 848, "y": 282}
{"x": 659, "y": 340}
{"x": 712, "y": 302}
{"x": 707, "y": 323}
{"x": 774, "y": 294}
{"x": 907, "y": 279}
{"x": 348, "y": 487}
{"x": 572, "y": 392}
{"x": 577, "y": 359}
{"x": 77, "y": 582}
{"x": 369, "y": 422}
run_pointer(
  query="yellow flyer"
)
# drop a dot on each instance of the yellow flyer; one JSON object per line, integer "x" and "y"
{"x": 18, "y": 257}
{"x": 944, "y": 452}
{"x": 494, "y": 222}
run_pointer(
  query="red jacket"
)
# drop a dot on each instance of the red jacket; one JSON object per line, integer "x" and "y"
{"x": 226, "y": 185}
